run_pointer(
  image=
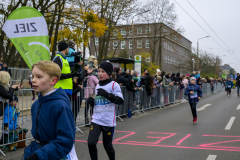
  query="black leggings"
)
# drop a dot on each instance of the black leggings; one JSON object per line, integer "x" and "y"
{"x": 194, "y": 109}
{"x": 228, "y": 90}
{"x": 107, "y": 134}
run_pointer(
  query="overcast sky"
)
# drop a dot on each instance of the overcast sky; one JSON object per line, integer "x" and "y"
{"x": 222, "y": 16}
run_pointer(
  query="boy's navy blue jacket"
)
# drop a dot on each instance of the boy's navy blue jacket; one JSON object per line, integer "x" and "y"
{"x": 52, "y": 122}
{"x": 229, "y": 83}
{"x": 197, "y": 92}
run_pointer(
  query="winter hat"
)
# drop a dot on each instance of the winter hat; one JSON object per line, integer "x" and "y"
{"x": 188, "y": 75}
{"x": 91, "y": 57}
{"x": 62, "y": 46}
{"x": 158, "y": 70}
{"x": 178, "y": 75}
{"x": 192, "y": 78}
{"x": 107, "y": 67}
{"x": 13, "y": 98}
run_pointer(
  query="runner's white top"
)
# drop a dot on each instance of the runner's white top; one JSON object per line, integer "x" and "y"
{"x": 104, "y": 110}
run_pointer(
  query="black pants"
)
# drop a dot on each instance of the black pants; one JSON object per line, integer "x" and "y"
{"x": 94, "y": 133}
{"x": 228, "y": 90}
{"x": 194, "y": 109}
{"x": 86, "y": 109}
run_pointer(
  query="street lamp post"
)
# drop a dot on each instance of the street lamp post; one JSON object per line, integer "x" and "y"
{"x": 193, "y": 64}
{"x": 198, "y": 44}
{"x": 198, "y": 47}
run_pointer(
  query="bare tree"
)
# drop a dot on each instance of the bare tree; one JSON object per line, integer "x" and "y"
{"x": 162, "y": 16}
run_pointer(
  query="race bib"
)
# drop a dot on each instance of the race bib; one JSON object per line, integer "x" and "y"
{"x": 71, "y": 155}
{"x": 229, "y": 86}
{"x": 194, "y": 95}
{"x": 102, "y": 104}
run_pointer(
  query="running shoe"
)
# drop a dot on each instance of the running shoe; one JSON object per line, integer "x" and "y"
{"x": 195, "y": 119}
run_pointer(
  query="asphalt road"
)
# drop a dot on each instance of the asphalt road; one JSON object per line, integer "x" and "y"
{"x": 170, "y": 134}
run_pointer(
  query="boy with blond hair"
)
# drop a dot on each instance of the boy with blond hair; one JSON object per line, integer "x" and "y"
{"x": 52, "y": 119}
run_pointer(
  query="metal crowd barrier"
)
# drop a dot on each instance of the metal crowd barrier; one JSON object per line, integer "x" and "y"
{"x": 134, "y": 102}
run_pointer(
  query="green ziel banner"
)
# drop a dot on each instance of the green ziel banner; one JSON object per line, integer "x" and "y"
{"x": 27, "y": 30}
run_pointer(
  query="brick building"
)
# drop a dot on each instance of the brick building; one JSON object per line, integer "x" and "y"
{"x": 167, "y": 47}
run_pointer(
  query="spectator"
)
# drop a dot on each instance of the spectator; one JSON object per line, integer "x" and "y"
{"x": 158, "y": 72}
{"x": 92, "y": 65}
{"x": 7, "y": 69}
{"x": 166, "y": 86}
{"x": 65, "y": 81}
{"x": 114, "y": 76}
{"x": 6, "y": 91}
{"x": 173, "y": 78}
{"x": 72, "y": 54}
{"x": 149, "y": 83}
{"x": 185, "y": 81}
{"x": 10, "y": 125}
{"x": 121, "y": 80}
{"x": 135, "y": 74}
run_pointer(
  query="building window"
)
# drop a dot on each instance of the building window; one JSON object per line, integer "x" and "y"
{"x": 165, "y": 44}
{"x": 168, "y": 59}
{"x": 115, "y": 45}
{"x": 139, "y": 31}
{"x": 123, "y": 31}
{"x": 130, "y": 32}
{"x": 165, "y": 58}
{"x": 130, "y": 44}
{"x": 139, "y": 44}
{"x": 147, "y": 44}
{"x": 123, "y": 45}
{"x": 96, "y": 53}
{"x": 109, "y": 46}
{"x": 114, "y": 32}
{"x": 171, "y": 60}
{"x": 148, "y": 30}
{"x": 96, "y": 41}
{"x": 148, "y": 59}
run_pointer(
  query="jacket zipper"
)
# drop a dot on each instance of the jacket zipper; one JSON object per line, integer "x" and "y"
{"x": 37, "y": 120}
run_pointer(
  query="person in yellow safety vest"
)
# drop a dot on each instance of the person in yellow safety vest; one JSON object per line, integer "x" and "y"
{"x": 65, "y": 81}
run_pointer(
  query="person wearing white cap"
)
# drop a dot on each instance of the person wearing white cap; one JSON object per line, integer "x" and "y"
{"x": 158, "y": 72}
{"x": 194, "y": 93}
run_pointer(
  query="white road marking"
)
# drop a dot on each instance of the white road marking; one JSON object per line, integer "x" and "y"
{"x": 212, "y": 157}
{"x": 238, "y": 108}
{"x": 229, "y": 125}
{"x": 203, "y": 107}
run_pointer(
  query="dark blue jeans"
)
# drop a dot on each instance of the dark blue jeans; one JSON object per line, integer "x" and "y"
{"x": 238, "y": 89}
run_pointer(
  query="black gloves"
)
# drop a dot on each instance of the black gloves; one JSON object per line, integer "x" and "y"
{"x": 32, "y": 157}
{"x": 90, "y": 101}
{"x": 109, "y": 96}
{"x": 103, "y": 93}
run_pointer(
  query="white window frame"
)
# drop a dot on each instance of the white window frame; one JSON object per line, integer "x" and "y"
{"x": 147, "y": 44}
{"x": 138, "y": 30}
{"x": 130, "y": 32}
{"x": 148, "y": 59}
{"x": 138, "y": 43}
{"x": 148, "y": 30}
{"x": 123, "y": 45}
{"x": 114, "y": 32}
{"x": 168, "y": 59}
{"x": 115, "y": 46}
{"x": 130, "y": 44}
{"x": 165, "y": 58}
{"x": 123, "y": 31}
{"x": 109, "y": 46}
{"x": 96, "y": 53}
{"x": 171, "y": 60}
{"x": 96, "y": 41}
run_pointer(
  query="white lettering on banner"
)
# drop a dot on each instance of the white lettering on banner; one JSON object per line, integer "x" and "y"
{"x": 27, "y": 27}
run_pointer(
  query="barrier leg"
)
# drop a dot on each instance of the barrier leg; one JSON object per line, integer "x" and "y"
{"x": 2, "y": 153}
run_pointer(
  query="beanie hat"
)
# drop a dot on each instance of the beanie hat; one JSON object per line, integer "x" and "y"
{"x": 107, "y": 67}
{"x": 91, "y": 57}
{"x": 192, "y": 78}
{"x": 158, "y": 70}
{"x": 62, "y": 46}
{"x": 13, "y": 98}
